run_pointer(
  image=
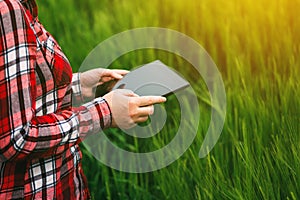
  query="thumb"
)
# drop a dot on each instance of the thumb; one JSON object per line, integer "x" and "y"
{"x": 116, "y": 75}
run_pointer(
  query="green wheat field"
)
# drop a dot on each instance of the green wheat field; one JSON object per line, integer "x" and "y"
{"x": 256, "y": 46}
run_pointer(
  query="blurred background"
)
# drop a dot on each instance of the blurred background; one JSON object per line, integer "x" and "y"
{"x": 256, "y": 46}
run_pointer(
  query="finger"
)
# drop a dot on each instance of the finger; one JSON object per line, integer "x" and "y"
{"x": 104, "y": 79}
{"x": 121, "y": 71}
{"x": 146, "y": 110}
{"x": 141, "y": 119}
{"x": 150, "y": 100}
{"x": 116, "y": 74}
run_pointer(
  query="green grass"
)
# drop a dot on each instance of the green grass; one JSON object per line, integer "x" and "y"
{"x": 256, "y": 46}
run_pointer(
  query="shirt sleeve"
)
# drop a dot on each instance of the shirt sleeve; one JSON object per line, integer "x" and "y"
{"x": 77, "y": 97}
{"x": 22, "y": 133}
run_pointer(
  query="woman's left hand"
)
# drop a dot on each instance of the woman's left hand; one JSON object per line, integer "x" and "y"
{"x": 91, "y": 79}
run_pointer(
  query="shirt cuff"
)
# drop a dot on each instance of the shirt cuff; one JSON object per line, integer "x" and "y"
{"x": 77, "y": 97}
{"x": 101, "y": 113}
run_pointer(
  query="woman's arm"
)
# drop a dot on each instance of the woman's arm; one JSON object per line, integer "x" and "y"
{"x": 22, "y": 133}
{"x": 25, "y": 135}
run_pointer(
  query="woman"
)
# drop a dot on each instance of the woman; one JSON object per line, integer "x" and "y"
{"x": 39, "y": 127}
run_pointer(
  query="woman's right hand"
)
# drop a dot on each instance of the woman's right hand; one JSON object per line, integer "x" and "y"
{"x": 128, "y": 108}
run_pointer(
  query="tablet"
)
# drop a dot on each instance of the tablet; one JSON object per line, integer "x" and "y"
{"x": 154, "y": 78}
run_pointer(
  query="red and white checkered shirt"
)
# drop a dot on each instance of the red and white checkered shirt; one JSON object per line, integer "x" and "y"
{"x": 39, "y": 128}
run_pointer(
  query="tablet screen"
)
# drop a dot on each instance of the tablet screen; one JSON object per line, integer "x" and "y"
{"x": 154, "y": 78}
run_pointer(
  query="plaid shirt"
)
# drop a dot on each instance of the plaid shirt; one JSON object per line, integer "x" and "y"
{"x": 39, "y": 129}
